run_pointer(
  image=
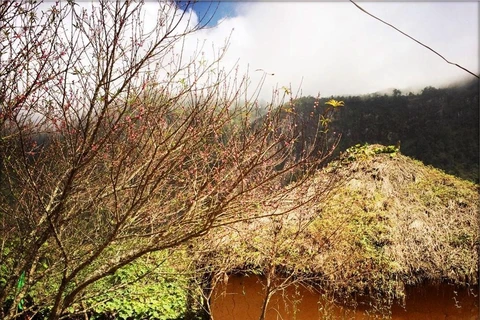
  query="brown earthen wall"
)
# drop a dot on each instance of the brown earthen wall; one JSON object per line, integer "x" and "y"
{"x": 242, "y": 297}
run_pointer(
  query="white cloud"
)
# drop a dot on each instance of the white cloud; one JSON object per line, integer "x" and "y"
{"x": 337, "y": 49}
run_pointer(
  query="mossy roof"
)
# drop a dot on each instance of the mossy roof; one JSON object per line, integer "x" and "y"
{"x": 382, "y": 221}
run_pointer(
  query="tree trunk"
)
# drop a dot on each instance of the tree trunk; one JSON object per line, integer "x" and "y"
{"x": 265, "y": 303}
{"x": 57, "y": 309}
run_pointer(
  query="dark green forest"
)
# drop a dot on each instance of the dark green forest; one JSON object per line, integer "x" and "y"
{"x": 439, "y": 126}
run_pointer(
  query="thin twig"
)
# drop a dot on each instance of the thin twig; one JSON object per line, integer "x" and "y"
{"x": 438, "y": 54}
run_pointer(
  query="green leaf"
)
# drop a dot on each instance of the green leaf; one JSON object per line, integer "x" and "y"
{"x": 21, "y": 281}
{"x": 20, "y": 285}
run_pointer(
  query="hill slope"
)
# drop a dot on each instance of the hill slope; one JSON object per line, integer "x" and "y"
{"x": 439, "y": 126}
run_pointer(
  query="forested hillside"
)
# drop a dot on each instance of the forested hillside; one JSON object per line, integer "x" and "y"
{"x": 440, "y": 127}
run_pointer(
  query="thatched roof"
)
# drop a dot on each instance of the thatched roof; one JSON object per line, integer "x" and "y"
{"x": 390, "y": 221}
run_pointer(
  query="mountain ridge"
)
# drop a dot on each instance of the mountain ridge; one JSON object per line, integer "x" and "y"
{"x": 437, "y": 126}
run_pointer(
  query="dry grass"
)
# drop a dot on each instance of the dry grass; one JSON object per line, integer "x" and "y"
{"x": 391, "y": 222}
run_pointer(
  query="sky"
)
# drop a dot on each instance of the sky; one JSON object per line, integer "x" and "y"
{"x": 333, "y": 48}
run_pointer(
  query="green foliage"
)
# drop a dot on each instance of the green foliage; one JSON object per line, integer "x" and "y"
{"x": 141, "y": 290}
{"x": 359, "y": 152}
{"x": 20, "y": 285}
{"x": 153, "y": 287}
{"x": 438, "y": 126}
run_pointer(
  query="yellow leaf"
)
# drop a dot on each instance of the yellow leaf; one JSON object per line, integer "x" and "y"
{"x": 334, "y": 103}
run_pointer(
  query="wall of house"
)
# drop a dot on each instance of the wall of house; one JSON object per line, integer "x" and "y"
{"x": 242, "y": 297}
